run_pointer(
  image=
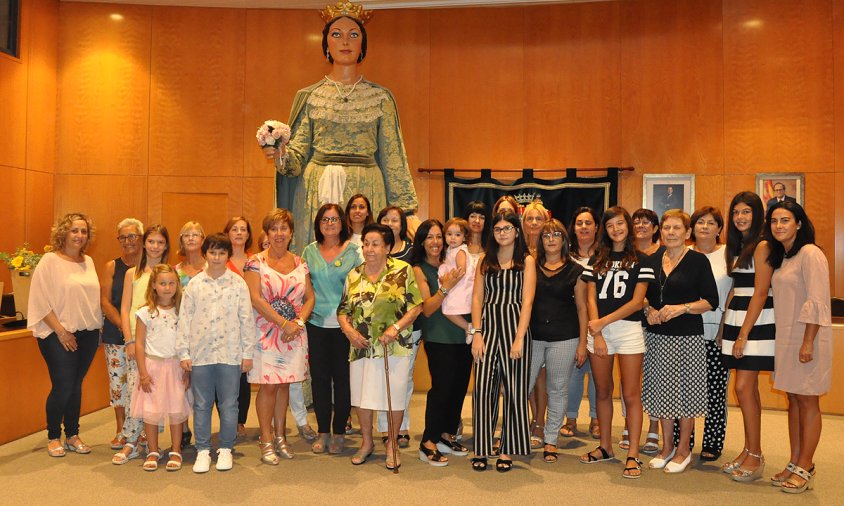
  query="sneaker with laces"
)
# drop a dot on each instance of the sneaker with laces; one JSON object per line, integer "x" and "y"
{"x": 203, "y": 461}
{"x": 224, "y": 459}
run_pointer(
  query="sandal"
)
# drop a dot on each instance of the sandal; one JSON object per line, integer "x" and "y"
{"x": 307, "y": 432}
{"x": 349, "y": 429}
{"x": 778, "y": 479}
{"x": 361, "y": 455}
{"x": 651, "y": 446}
{"x": 550, "y": 456}
{"x": 595, "y": 429}
{"x": 319, "y": 445}
{"x": 404, "y": 440}
{"x": 503, "y": 465}
{"x": 569, "y": 428}
{"x": 118, "y": 441}
{"x": 734, "y": 464}
{"x": 175, "y": 461}
{"x": 337, "y": 444}
{"x": 433, "y": 457}
{"x": 446, "y": 445}
{"x": 283, "y": 448}
{"x": 151, "y": 463}
{"x": 588, "y": 458}
{"x": 791, "y": 486}
{"x": 391, "y": 464}
{"x": 77, "y": 447}
{"x": 710, "y": 455}
{"x": 479, "y": 464}
{"x": 122, "y": 457}
{"x": 536, "y": 441}
{"x": 624, "y": 443}
{"x": 496, "y": 447}
{"x": 637, "y": 467}
{"x": 268, "y": 455}
{"x": 57, "y": 450}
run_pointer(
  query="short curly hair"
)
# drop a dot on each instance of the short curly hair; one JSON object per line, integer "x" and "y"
{"x": 58, "y": 234}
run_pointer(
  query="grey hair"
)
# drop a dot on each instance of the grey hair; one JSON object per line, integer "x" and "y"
{"x": 131, "y": 222}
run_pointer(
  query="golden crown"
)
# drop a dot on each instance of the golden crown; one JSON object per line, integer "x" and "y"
{"x": 345, "y": 9}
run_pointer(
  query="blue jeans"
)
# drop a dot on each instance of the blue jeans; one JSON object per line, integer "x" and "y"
{"x": 222, "y": 380}
{"x": 576, "y": 392}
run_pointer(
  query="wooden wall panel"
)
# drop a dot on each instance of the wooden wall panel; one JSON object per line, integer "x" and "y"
{"x": 41, "y": 98}
{"x": 838, "y": 78}
{"x": 257, "y": 202}
{"x": 275, "y": 73}
{"x": 13, "y": 90}
{"x": 197, "y": 91}
{"x": 39, "y": 207}
{"x": 477, "y": 113}
{"x": 573, "y": 86}
{"x": 838, "y": 210}
{"x": 107, "y": 199}
{"x": 778, "y": 86}
{"x": 104, "y": 93}
{"x": 14, "y": 202}
{"x": 672, "y": 103}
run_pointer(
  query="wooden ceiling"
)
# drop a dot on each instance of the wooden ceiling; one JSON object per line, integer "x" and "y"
{"x": 319, "y": 4}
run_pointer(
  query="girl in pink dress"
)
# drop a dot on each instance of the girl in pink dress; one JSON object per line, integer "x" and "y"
{"x": 458, "y": 300}
{"x": 161, "y": 391}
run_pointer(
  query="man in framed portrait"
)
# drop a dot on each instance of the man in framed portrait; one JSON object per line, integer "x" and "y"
{"x": 779, "y": 195}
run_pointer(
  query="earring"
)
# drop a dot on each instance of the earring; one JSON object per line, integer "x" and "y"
{"x": 327, "y": 56}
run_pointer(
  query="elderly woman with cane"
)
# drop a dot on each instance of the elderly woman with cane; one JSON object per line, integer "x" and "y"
{"x": 379, "y": 304}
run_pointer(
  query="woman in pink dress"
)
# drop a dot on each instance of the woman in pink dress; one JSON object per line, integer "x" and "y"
{"x": 282, "y": 296}
{"x": 803, "y": 355}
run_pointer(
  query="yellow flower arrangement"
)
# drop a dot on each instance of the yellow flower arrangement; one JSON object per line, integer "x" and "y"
{"x": 23, "y": 259}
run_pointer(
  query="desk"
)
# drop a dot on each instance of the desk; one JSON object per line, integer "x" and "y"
{"x": 25, "y": 384}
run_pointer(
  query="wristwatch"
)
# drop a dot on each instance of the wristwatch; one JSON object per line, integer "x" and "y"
{"x": 396, "y": 326}
{"x": 299, "y": 322}
{"x": 688, "y": 307}
{"x": 443, "y": 290}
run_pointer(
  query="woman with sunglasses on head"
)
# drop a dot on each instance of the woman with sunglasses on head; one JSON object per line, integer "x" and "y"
{"x": 803, "y": 364}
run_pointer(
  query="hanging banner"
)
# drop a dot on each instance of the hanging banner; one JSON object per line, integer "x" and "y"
{"x": 560, "y": 196}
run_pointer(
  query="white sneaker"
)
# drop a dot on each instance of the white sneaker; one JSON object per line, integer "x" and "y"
{"x": 224, "y": 459}
{"x": 203, "y": 461}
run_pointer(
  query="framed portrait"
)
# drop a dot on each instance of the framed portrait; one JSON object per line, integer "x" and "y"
{"x": 775, "y": 186}
{"x": 662, "y": 192}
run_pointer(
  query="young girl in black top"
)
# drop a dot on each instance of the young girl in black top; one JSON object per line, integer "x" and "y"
{"x": 617, "y": 282}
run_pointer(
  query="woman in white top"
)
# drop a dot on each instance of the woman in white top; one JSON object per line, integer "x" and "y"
{"x": 65, "y": 316}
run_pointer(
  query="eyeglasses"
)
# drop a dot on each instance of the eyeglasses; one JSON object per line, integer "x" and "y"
{"x": 503, "y": 230}
{"x": 642, "y": 222}
{"x": 129, "y": 238}
{"x": 329, "y": 219}
{"x": 192, "y": 235}
{"x": 548, "y": 235}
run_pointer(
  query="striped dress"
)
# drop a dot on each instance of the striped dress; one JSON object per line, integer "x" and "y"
{"x": 759, "y": 349}
{"x": 497, "y": 372}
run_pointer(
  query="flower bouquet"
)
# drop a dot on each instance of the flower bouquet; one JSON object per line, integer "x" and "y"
{"x": 272, "y": 134}
{"x": 23, "y": 259}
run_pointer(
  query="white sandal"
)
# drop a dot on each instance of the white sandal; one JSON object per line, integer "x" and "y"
{"x": 172, "y": 463}
{"x": 651, "y": 447}
{"x": 121, "y": 458}
{"x": 151, "y": 465}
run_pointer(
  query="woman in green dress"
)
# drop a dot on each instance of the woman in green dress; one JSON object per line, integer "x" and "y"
{"x": 346, "y": 137}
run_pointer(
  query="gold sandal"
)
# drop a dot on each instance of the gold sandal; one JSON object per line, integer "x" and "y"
{"x": 77, "y": 447}
{"x": 268, "y": 455}
{"x": 283, "y": 448}
{"x": 57, "y": 450}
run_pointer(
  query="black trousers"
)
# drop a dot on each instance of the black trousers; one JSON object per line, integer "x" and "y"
{"x": 67, "y": 370}
{"x": 715, "y": 425}
{"x": 244, "y": 399}
{"x": 328, "y": 357}
{"x": 450, "y": 366}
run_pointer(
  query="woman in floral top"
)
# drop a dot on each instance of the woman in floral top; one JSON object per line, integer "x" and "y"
{"x": 282, "y": 296}
{"x": 380, "y": 302}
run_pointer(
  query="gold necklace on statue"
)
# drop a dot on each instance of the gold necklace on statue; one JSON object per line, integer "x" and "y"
{"x": 344, "y": 96}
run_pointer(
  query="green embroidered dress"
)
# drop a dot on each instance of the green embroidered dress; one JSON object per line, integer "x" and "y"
{"x": 373, "y": 307}
{"x": 361, "y": 133}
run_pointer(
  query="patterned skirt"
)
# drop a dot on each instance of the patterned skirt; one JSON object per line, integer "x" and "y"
{"x": 674, "y": 376}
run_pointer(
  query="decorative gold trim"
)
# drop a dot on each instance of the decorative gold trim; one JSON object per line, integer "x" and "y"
{"x": 348, "y": 9}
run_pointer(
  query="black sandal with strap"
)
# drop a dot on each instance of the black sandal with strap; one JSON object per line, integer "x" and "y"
{"x": 638, "y": 466}
{"x": 591, "y": 459}
{"x": 433, "y": 457}
{"x": 503, "y": 465}
{"x": 479, "y": 463}
{"x": 550, "y": 456}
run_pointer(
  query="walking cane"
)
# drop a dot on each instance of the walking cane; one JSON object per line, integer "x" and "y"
{"x": 391, "y": 434}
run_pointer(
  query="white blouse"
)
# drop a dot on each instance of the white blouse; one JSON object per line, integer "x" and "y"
{"x": 71, "y": 290}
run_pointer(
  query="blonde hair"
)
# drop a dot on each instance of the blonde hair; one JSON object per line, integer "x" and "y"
{"x": 150, "y": 294}
{"x": 188, "y": 226}
{"x": 59, "y": 231}
{"x": 536, "y": 205}
{"x": 676, "y": 213}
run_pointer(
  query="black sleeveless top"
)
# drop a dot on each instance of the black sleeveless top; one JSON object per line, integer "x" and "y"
{"x": 111, "y": 334}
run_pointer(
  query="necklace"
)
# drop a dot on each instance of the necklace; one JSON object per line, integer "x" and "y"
{"x": 344, "y": 96}
{"x": 671, "y": 265}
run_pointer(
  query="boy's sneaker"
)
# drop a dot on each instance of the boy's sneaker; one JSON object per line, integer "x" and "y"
{"x": 224, "y": 459}
{"x": 203, "y": 461}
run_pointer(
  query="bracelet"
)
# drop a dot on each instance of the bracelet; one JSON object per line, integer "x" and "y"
{"x": 396, "y": 326}
{"x": 688, "y": 307}
{"x": 443, "y": 291}
{"x": 646, "y": 310}
{"x": 127, "y": 343}
{"x": 477, "y": 331}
